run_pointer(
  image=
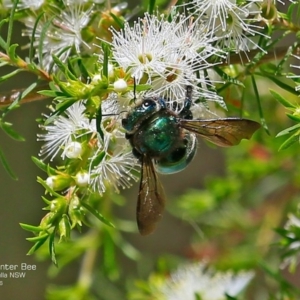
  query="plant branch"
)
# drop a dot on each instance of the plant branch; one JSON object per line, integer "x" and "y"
{"x": 243, "y": 58}
{"x": 22, "y": 64}
{"x": 9, "y": 97}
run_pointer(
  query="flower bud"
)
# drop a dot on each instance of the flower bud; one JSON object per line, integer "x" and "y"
{"x": 58, "y": 205}
{"x": 59, "y": 182}
{"x": 47, "y": 220}
{"x": 76, "y": 212}
{"x": 82, "y": 179}
{"x": 96, "y": 78}
{"x": 73, "y": 150}
{"x": 64, "y": 227}
{"x": 120, "y": 85}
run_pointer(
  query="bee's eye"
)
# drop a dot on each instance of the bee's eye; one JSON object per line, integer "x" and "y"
{"x": 148, "y": 103}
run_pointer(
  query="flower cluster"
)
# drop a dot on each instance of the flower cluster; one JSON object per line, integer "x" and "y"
{"x": 198, "y": 281}
{"x": 102, "y": 161}
{"x": 64, "y": 30}
{"x": 167, "y": 55}
{"x": 232, "y": 23}
{"x": 291, "y": 242}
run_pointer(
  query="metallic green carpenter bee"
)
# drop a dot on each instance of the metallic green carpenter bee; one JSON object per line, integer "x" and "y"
{"x": 165, "y": 141}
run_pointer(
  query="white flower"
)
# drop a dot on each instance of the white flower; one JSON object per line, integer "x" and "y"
{"x": 141, "y": 48}
{"x": 63, "y": 33}
{"x": 24, "y": 4}
{"x": 167, "y": 55}
{"x": 115, "y": 170}
{"x": 110, "y": 160}
{"x": 230, "y": 23}
{"x": 293, "y": 259}
{"x": 196, "y": 279}
{"x": 64, "y": 129}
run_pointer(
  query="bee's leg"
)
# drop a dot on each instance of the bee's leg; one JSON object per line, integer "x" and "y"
{"x": 136, "y": 154}
{"x": 186, "y": 113}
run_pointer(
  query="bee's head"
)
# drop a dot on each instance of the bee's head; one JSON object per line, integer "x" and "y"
{"x": 143, "y": 109}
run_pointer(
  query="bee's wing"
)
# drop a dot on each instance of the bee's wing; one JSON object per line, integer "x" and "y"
{"x": 151, "y": 199}
{"x": 222, "y": 132}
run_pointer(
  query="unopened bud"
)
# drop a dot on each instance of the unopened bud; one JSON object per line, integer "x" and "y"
{"x": 59, "y": 182}
{"x": 73, "y": 150}
{"x": 120, "y": 85}
{"x": 82, "y": 179}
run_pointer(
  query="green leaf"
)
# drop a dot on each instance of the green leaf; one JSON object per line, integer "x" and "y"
{"x": 38, "y": 244}
{"x": 290, "y": 141}
{"x": 129, "y": 250}
{"x": 294, "y": 117}
{"x": 118, "y": 20}
{"x": 276, "y": 275}
{"x": 280, "y": 83}
{"x": 143, "y": 87}
{"x": 109, "y": 256}
{"x": 83, "y": 71}
{"x": 6, "y": 166}
{"x": 48, "y": 202}
{"x": 11, "y": 74}
{"x": 98, "y": 159}
{"x": 96, "y": 214}
{"x": 3, "y": 44}
{"x": 52, "y": 248}
{"x": 38, "y": 238}
{"x": 11, "y": 23}
{"x": 287, "y": 55}
{"x": 48, "y": 93}
{"x": 63, "y": 67}
{"x": 261, "y": 114}
{"x": 228, "y": 78}
{"x": 291, "y": 10}
{"x": 105, "y": 49}
{"x": 42, "y": 40}
{"x": 281, "y": 100}
{"x": 7, "y": 128}
{"x": 31, "y": 227}
{"x": 288, "y": 130}
{"x": 32, "y": 40}
{"x": 269, "y": 68}
{"x": 151, "y": 6}
{"x": 44, "y": 167}
{"x": 61, "y": 108}
{"x": 12, "y": 53}
{"x": 39, "y": 163}
{"x": 59, "y": 54}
